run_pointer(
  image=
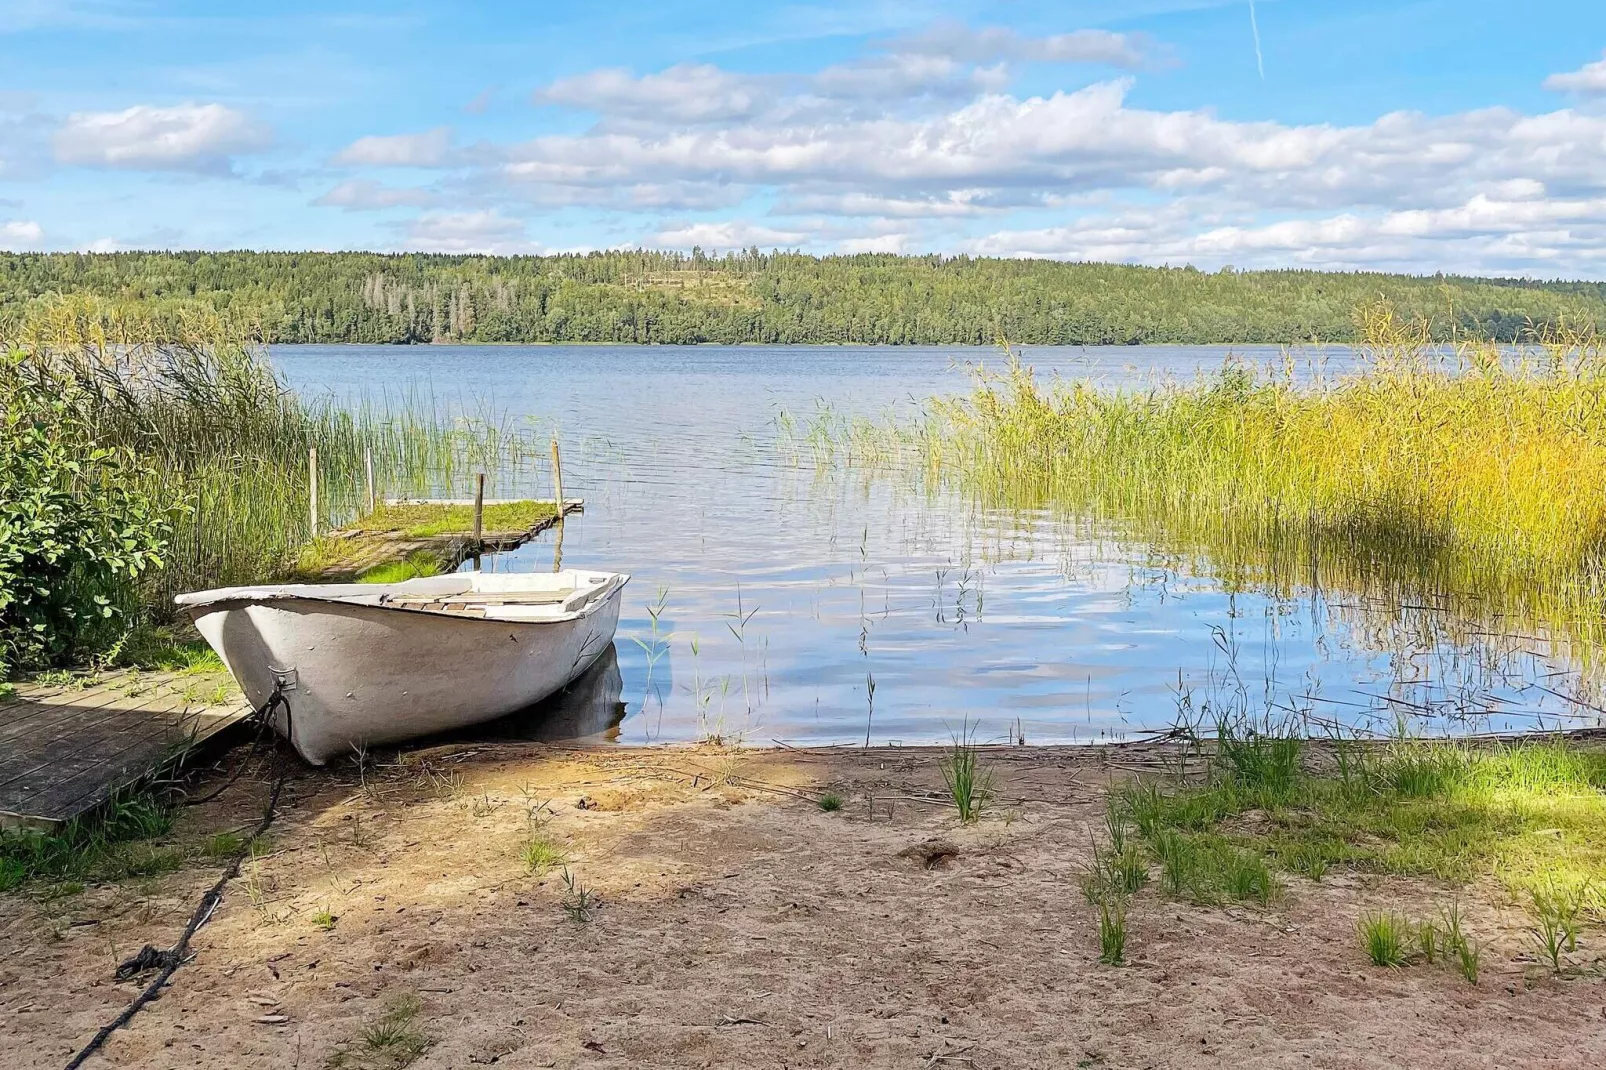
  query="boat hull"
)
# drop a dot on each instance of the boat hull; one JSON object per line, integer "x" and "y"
{"x": 359, "y": 675}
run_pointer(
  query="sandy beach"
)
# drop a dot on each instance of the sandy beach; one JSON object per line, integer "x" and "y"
{"x": 719, "y": 917}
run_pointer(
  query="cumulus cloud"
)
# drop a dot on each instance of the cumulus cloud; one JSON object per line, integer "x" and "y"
{"x": 361, "y": 194}
{"x": 20, "y": 234}
{"x": 485, "y": 231}
{"x": 1485, "y": 233}
{"x": 944, "y": 61}
{"x": 428, "y": 149}
{"x": 186, "y": 137}
{"x": 729, "y": 234}
{"x": 1588, "y": 80}
{"x": 1017, "y": 151}
{"x": 687, "y": 92}
{"x": 989, "y": 44}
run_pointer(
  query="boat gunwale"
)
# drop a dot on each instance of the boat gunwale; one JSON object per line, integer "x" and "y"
{"x": 197, "y": 604}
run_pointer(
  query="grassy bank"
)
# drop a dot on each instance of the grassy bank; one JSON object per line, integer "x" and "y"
{"x": 1527, "y": 818}
{"x": 1472, "y": 477}
{"x": 215, "y": 449}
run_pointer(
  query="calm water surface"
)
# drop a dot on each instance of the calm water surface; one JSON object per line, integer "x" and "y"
{"x": 829, "y": 606}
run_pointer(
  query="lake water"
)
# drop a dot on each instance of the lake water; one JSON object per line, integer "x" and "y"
{"x": 822, "y": 606}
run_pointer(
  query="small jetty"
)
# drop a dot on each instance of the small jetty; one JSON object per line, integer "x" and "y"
{"x": 439, "y": 527}
{"x": 68, "y": 747}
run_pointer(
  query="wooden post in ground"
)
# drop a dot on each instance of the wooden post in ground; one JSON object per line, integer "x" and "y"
{"x": 312, "y": 491}
{"x": 368, "y": 467}
{"x": 479, "y": 515}
{"x": 557, "y": 476}
{"x": 557, "y": 493}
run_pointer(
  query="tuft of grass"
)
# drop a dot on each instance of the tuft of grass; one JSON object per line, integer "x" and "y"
{"x": 1386, "y": 938}
{"x": 540, "y": 854}
{"x": 1558, "y": 909}
{"x": 578, "y": 902}
{"x": 1112, "y": 932}
{"x": 830, "y": 802}
{"x": 391, "y": 1042}
{"x": 1262, "y": 766}
{"x": 969, "y": 785}
{"x": 1393, "y": 941}
{"x": 415, "y": 565}
{"x": 1244, "y": 874}
{"x": 1466, "y": 955}
{"x": 325, "y": 920}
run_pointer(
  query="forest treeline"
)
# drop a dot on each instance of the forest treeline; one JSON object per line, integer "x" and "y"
{"x": 643, "y": 296}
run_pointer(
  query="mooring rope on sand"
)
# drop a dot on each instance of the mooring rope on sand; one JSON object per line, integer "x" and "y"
{"x": 170, "y": 959}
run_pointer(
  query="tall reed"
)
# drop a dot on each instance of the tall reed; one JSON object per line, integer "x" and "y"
{"x": 228, "y": 442}
{"x": 1470, "y": 475}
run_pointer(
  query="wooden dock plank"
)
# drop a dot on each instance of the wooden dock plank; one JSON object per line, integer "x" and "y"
{"x": 142, "y": 746}
{"x": 85, "y": 731}
{"x": 29, "y": 720}
{"x": 103, "y": 788}
{"x": 66, "y": 750}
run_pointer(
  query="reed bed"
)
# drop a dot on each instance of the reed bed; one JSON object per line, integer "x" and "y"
{"x": 1468, "y": 478}
{"x": 226, "y": 444}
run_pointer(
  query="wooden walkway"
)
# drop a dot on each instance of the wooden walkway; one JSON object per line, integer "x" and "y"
{"x": 66, "y": 749}
{"x": 360, "y": 548}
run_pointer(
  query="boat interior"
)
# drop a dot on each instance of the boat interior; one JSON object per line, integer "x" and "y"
{"x": 531, "y": 596}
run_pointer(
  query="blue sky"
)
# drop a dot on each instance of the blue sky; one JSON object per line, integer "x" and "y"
{"x": 1419, "y": 135}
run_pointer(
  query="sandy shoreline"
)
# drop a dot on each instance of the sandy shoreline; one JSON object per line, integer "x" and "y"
{"x": 741, "y": 925}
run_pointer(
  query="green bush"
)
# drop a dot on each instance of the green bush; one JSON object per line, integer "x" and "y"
{"x": 76, "y": 533}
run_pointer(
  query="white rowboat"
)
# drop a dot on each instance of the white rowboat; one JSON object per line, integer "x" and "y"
{"x": 362, "y": 664}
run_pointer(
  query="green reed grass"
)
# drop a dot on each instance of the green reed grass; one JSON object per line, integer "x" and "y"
{"x": 1474, "y": 474}
{"x": 229, "y": 442}
{"x": 969, "y": 783}
{"x": 1386, "y": 939}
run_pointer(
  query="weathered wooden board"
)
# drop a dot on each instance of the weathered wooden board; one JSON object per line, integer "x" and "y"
{"x": 365, "y": 547}
{"x": 66, "y": 749}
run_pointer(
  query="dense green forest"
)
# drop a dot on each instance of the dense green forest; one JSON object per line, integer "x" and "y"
{"x": 639, "y": 296}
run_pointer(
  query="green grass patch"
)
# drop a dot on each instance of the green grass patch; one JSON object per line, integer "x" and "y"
{"x": 390, "y": 1042}
{"x": 1530, "y": 815}
{"x": 425, "y": 521}
{"x": 540, "y": 854}
{"x": 117, "y": 842}
{"x": 415, "y": 565}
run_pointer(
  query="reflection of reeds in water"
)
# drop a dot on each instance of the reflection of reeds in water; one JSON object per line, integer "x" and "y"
{"x": 1465, "y": 485}
{"x": 229, "y": 442}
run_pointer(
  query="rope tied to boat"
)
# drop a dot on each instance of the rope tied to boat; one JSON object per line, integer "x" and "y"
{"x": 168, "y": 960}
{"x": 262, "y": 717}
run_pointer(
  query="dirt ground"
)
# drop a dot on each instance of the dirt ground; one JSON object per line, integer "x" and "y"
{"x": 740, "y": 925}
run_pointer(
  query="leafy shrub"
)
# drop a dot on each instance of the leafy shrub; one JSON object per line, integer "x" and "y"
{"x": 76, "y": 533}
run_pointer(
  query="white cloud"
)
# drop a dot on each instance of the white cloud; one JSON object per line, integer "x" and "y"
{"x": 687, "y": 92}
{"x": 186, "y": 137}
{"x": 1482, "y": 234}
{"x": 727, "y": 235}
{"x": 466, "y": 232}
{"x": 428, "y": 149}
{"x": 991, "y": 43}
{"x": 1588, "y": 80}
{"x": 20, "y": 234}
{"x": 1008, "y": 151}
{"x": 877, "y": 243}
{"x": 361, "y": 194}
